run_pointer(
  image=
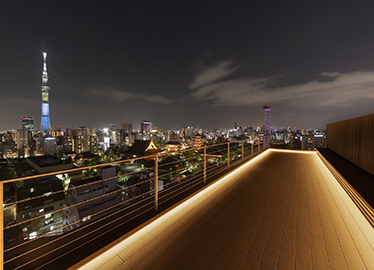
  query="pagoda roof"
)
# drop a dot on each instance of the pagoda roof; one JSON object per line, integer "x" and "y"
{"x": 142, "y": 148}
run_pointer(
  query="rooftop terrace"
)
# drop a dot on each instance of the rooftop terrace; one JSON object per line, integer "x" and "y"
{"x": 280, "y": 210}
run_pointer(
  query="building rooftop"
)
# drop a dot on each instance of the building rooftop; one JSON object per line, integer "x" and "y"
{"x": 281, "y": 210}
{"x": 142, "y": 148}
{"x": 48, "y": 163}
{"x": 45, "y": 161}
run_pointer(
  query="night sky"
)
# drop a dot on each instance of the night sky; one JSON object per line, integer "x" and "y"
{"x": 184, "y": 64}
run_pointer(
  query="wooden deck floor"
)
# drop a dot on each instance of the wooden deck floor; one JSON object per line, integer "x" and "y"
{"x": 283, "y": 210}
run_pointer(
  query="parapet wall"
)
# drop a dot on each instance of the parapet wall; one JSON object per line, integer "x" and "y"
{"x": 353, "y": 139}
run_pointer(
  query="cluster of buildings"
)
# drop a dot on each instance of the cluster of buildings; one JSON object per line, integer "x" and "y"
{"x": 26, "y": 142}
{"x": 54, "y": 204}
{"x": 64, "y": 191}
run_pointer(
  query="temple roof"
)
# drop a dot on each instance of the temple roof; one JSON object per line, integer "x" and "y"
{"x": 142, "y": 148}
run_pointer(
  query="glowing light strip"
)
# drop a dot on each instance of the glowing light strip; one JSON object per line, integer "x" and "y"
{"x": 165, "y": 220}
{"x": 100, "y": 257}
{"x": 342, "y": 198}
{"x": 293, "y": 151}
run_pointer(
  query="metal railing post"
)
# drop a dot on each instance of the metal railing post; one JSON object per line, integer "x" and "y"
{"x": 258, "y": 146}
{"x": 242, "y": 150}
{"x": 252, "y": 148}
{"x": 2, "y": 226}
{"x": 156, "y": 183}
{"x": 228, "y": 155}
{"x": 291, "y": 142}
{"x": 204, "y": 164}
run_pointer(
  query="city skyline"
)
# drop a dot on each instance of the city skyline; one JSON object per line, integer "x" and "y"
{"x": 206, "y": 65}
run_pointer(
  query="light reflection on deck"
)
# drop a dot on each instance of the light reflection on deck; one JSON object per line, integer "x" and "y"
{"x": 281, "y": 210}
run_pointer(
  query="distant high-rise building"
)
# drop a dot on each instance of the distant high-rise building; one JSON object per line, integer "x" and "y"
{"x": 45, "y": 124}
{"x": 126, "y": 136}
{"x": 187, "y": 132}
{"x": 111, "y": 127}
{"x": 267, "y": 109}
{"x": 310, "y": 142}
{"x": 23, "y": 140}
{"x": 145, "y": 126}
{"x": 199, "y": 130}
{"x": 45, "y": 146}
{"x": 28, "y": 123}
{"x": 173, "y": 137}
{"x": 80, "y": 140}
{"x": 127, "y": 127}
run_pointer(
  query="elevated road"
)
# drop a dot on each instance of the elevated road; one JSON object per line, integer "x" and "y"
{"x": 281, "y": 210}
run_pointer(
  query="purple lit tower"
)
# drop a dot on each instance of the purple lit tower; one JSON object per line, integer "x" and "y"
{"x": 267, "y": 109}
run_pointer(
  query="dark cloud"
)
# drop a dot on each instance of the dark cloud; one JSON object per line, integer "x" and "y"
{"x": 120, "y": 95}
{"x": 344, "y": 89}
{"x": 208, "y": 75}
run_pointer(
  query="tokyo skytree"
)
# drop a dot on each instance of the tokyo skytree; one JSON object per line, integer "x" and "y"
{"x": 45, "y": 123}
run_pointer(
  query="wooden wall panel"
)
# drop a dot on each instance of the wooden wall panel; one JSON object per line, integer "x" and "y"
{"x": 353, "y": 139}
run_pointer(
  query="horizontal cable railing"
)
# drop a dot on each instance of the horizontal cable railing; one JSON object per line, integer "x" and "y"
{"x": 51, "y": 214}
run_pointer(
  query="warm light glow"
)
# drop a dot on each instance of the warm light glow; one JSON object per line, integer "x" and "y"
{"x": 293, "y": 151}
{"x": 151, "y": 146}
{"x": 348, "y": 215}
{"x": 354, "y": 211}
{"x": 166, "y": 218}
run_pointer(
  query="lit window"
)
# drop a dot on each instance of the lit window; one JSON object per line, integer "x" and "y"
{"x": 33, "y": 235}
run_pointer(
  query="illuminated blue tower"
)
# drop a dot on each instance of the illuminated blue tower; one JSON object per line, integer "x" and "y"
{"x": 45, "y": 124}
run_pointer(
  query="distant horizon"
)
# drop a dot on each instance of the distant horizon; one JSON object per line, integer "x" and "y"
{"x": 194, "y": 127}
{"x": 54, "y": 127}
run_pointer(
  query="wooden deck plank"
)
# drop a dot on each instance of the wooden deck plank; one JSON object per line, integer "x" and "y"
{"x": 335, "y": 205}
{"x": 292, "y": 216}
{"x": 286, "y": 259}
{"x": 235, "y": 260}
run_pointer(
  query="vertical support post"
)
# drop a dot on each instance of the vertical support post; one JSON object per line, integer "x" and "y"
{"x": 228, "y": 155}
{"x": 1, "y": 226}
{"x": 156, "y": 183}
{"x": 264, "y": 146}
{"x": 252, "y": 148}
{"x": 204, "y": 164}
{"x": 291, "y": 142}
{"x": 242, "y": 150}
{"x": 258, "y": 145}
